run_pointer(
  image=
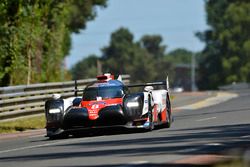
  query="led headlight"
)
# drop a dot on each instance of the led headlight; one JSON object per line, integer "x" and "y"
{"x": 54, "y": 110}
{"x": 133, "y": 104}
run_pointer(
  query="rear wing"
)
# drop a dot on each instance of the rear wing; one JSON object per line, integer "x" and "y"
{"x": 76, "y": 90}
{"x": 160, "y": 83}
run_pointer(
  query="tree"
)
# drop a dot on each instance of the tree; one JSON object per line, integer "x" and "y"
{"x": 160, "y": 66}
{"x": 226, "y": 57}
{"x": 82, "y": 11}
{"x": 181, "y": 60}
{"x": 86, "y": 68}
{"x": 35, "y": 37}
{"x": 118, "y": 56}
{"x": 126, "y": 56}
{"x": 152, "y": 43}
{"x": 179, "y": 56}
{"x": 123, "y": 55}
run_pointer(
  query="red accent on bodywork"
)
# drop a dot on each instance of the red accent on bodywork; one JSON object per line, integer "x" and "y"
{"x": 102, "y": 77}
{"x": 164, "y": 115}
{"x": 95, "y": 106}
{"x": 105, "y": 77}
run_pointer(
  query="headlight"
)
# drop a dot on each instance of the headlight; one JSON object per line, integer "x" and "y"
{"x": 133, "y": 104}
{"x": 54, "y": 110}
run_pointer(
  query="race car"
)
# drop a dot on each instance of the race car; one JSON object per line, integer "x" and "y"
{"x": 109, "y": 103}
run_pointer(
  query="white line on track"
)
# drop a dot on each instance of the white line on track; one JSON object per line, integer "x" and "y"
{"x": 247, "y": 136}
{"x": 135, "y": 163}
{"x": 188, "y": 150}
{"x": 206, "y": 119}
{"x": 202, "y": 147}
{"x": 36, "y": 136}
{"x": 213, "y": 144}
{"x": 41, "y": 145}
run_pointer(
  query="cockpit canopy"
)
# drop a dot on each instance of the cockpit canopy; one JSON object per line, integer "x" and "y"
{"x": 92, "y": 93}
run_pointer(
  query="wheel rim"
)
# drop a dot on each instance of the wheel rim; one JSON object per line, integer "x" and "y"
{"x": 168, "y": 112}
{"x": 150, "y": 114}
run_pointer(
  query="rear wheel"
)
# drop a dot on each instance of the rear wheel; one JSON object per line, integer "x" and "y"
{"x": 169, "y": 115}
{"x": 150, "y": 115}
{"x": 169, "y": 120}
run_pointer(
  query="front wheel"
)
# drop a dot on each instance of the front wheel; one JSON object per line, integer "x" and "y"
{"x": 150, "y": 115}
{"x": 150, "y": 121}
{"x": 169, "y": 115}
{"x": 169, "y": 119}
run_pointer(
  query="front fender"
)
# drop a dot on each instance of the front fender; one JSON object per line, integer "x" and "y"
{"x": 54, "y": 110}
{"x": 133, "y": 106}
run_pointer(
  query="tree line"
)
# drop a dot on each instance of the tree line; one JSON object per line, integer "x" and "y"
{"x": 145, "y": 59}
{"x": 35, "y": 37}
{"x": 224, "y": 60}
{"x": 226, "y": 57}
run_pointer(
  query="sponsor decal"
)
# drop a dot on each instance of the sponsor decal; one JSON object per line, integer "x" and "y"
{"x": 94, "y": 106}
{"x": 97, "y": 103}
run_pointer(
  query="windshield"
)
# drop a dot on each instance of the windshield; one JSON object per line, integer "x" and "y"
{"x": 103, "y": 92}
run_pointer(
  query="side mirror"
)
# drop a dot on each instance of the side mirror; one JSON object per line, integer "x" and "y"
{"x": 149, "y": 88}
{"x": 56, "y": 96}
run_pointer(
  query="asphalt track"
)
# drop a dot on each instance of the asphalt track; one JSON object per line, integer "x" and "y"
{"x": 214, "y": 130}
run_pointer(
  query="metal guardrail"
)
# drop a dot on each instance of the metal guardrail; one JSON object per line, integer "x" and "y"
{"x": 235, "y": 86}
{"x": 16, "y": 101}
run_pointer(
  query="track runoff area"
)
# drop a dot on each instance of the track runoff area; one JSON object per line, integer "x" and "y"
{"x": 207, "y": 128}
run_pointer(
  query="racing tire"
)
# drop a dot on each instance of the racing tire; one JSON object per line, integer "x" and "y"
{"x": 59, "y": 136}
{"x": 169, "y": 115}
{"x": 169, "y": 119}
{"x": 150, "y": 115}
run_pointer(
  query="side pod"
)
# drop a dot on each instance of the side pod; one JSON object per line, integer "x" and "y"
{"x": 133, "y": 105}
{"x": 54, "y": 115}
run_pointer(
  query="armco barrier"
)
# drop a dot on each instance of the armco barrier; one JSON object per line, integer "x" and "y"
{"x": 24, "y": 100}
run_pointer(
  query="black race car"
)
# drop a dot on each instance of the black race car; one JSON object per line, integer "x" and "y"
{"x": 107, "y": 103}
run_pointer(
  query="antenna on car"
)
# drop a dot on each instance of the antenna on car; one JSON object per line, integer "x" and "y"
{"x": 119, "y": 78}
{"x": 75, "y": 91}
{"x": 167, "y": 83}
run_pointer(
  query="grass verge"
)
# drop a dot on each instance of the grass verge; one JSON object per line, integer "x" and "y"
{"x": 233, "y": 163}
{"x": 22, "y": 124}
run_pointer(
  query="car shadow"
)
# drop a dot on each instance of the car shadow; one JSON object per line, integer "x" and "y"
{"x": 185, "y": 143}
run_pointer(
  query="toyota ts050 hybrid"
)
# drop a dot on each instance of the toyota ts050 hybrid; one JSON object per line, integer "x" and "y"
{"x": 107, "y": 103}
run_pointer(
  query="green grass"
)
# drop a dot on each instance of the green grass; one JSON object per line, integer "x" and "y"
{"x": 36, "y": 122}
{"x": 232, "y": 163}
{"x": 172, "y": 97}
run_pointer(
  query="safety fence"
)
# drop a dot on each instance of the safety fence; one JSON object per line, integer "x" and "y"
{"x": 17, "y": 101}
